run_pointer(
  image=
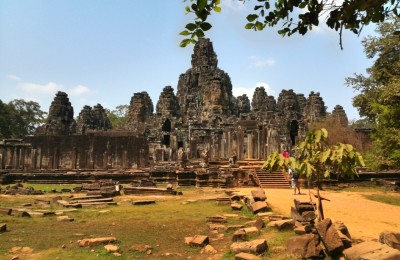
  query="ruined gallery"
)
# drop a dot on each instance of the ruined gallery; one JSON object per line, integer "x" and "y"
{"x": 199, "y": 126}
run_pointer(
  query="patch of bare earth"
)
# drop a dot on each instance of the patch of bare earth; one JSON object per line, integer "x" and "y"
{"x": 364, "y": 218}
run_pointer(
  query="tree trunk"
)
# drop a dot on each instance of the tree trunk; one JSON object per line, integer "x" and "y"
{"x": 320, "y": 208}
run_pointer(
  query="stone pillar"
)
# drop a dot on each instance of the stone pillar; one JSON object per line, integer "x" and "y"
{"x": 249, "y": 145}
{"x": 33, "y": 158}
{"x": 40, "y": 158}
{"x": 22, "y": 157}
{"x": 15, "y": 158}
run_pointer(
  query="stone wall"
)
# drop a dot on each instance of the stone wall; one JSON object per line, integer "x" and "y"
{"x": 93, "y": 151}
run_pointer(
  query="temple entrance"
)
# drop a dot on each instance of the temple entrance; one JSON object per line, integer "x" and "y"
{"x": 166, "y": 128}
{"x": 166, "y": 140}
{"x": 294, "y": 132}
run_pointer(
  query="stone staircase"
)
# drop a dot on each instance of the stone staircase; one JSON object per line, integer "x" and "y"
{"x": 272, "y": 180}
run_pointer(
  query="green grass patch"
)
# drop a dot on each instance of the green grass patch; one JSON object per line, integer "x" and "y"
{"x": 391, "y": 199}
{"x": 163, "y": 226}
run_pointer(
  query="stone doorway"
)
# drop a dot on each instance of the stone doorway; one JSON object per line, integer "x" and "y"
{"x": 294, "y": 131}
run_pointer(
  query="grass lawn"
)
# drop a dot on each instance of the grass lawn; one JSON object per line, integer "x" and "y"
{"x": 388, "y": 198}
{"x": 163, "y": 226}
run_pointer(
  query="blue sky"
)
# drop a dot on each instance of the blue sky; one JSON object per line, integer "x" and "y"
{"x": 103, "y": 51}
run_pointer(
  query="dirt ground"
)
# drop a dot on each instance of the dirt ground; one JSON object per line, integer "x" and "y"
{"x": 364, "y": 218}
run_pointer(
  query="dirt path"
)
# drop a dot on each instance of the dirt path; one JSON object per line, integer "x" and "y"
{"x": 364, "y": 218}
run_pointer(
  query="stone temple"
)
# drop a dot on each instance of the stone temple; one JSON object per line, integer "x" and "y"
{"x": 202, "y": 123}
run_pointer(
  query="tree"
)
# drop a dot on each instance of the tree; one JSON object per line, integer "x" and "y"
{"x": 19, "y": 118}
{"x": 31, "y": 114}
{"x": 379, "y": 98}
{"x": 316, "y": 159}
{"x": 296, "y": 16}
{"x": 118, "y": 117}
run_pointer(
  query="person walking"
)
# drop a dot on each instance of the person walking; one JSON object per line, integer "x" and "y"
{"x": 294, "y": 177}
{"x": 285, "y": 153}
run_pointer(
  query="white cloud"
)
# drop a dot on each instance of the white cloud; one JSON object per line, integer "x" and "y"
{"x": 34, "y": 88}
{"x": 267, "y": 87}
{"x": 238, "y": 91}
{"x": 257, "y": 62}
{"x": 13, "y": 77}
{"x": 249, "y": 91}
{"x": 78, "y": 90}
{"x": 44, "y": 93}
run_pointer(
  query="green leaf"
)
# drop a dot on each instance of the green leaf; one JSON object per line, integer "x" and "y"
{"x": 187, "y": 9}
{"x": 259, "y": 26}
{"x": 205, "y": 26}
{"x": 303, "y": 4}
{"x": 251, "y": 17}
{"x": 325, "y": 155}
{"x": 201, "y": 4}
{"x": 249, "y": 26}
{"x": 199, "y": 33}
{"x": 324, "y": 132}
{"x": 217, "y": 9}
{"x": 191, "y": 26}
{"x": 184, "y": 43}
{"x": 184, "y": 33}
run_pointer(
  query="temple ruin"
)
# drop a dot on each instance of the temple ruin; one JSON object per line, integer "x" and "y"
{"x": 203, "y": 123}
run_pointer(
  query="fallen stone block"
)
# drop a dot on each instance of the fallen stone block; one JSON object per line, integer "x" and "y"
{"x": 236, "y": 206}
{"x": 208, "y": 249}
{"x": 96, "y": 241}
{"x": 143, "y": 202}
{"x": 5, "y": 211}
{"x": 67, "y": 204}
{"x": 234, "y": 227}
{"x": 264, "y": 214}
{"x": 308, "y": 216}
{"x": 239, "y": 235}
{"x": 230, "y": 215}
{"x": 64, "y": 219}
{"x": 252, "y": 231}
{"x": 340, "y": 226}
{"x": 257, "y": 246}
{"x": 3, "y": 227}
{"x": 302, "y": 230}
{"x": 285, "y": 224}
{"x": 345, "y": 240}
{"x": 23, "y": 214}
{"x": 213, "y": 226}
{"x": 259, "y": 224}
{"x": 111, "y": 248}
{"x": 371, "y": 250}
{"x": 302, "y": 206}
{"x": 259, "y": 206}
{"x": 391, "y": 239}
{"x": 216, "y": 219}
{"x": 329, "y": 237}
{"x": 275, "y": 217}
{"x": 246, "y": 256}
{"x": 199, "y": 240}
{"x": 258, "y": 195}
{"x": 305, "y": 246}
{"x": 236, "y": 197}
